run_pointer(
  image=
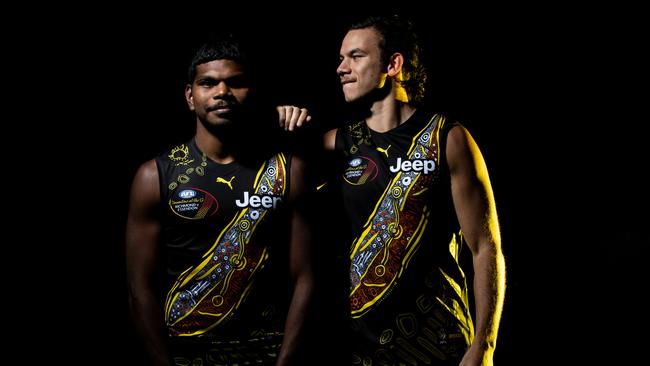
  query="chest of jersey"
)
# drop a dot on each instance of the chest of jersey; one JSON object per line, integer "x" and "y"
{"x": 218, "y": 193}
{"x": 401, "y": 159}
{"x": 216, "y": 235}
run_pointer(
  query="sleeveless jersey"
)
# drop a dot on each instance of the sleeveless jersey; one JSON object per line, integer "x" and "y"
{"x": 226, "y": 277}
{"x": 408, "y": 294}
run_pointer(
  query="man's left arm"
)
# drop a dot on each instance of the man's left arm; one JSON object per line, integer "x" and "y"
{"x": 300, "y": 263}
{"x": 476, "y": 211}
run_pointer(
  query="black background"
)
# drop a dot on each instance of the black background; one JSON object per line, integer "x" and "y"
{"x": 553, "y": 97}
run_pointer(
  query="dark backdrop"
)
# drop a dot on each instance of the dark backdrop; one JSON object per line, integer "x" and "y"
{"x": 546, "y": 93}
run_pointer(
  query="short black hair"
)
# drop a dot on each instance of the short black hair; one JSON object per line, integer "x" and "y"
{"x": 219, "y": 47}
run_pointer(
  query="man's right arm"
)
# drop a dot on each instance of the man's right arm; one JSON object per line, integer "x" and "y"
{"x": 142, "y": 234}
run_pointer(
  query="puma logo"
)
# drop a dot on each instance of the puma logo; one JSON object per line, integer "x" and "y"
{"x": 385, "y": 151}
{"x": 226, "y": 182}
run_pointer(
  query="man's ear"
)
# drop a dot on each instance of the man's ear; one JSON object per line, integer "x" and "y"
{"x": 189, "y": 98}
{"x": 395, "y": 64}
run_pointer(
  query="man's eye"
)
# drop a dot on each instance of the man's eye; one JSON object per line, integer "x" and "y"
{"x": 238, "y": 82}
{"x": 207, "y": 83}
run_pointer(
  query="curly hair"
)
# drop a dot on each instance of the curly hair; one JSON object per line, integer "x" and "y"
{"x": 397, "y": 36}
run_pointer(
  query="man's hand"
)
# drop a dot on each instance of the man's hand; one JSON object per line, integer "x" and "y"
{"x": 291, "y": 117}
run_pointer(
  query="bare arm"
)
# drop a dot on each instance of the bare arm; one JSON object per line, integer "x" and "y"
{"x": 142, "y": 233}
{"x": 476, "y": 211}
{"x": 300, "y": 263}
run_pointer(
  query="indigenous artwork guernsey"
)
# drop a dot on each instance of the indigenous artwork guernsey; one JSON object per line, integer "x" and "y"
{"x": 391, "y": 234}
{"x": 206, "y": 294}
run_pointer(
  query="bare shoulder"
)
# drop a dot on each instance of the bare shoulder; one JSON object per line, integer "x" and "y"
{"x": 461, "y": 147}
{"x": 147, "y": 173}
{"x": 458, "y": 137}
{"x": 329, "y": 140}
{"x": 145, "y": 183}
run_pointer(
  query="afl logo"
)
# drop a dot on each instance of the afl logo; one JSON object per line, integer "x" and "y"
{"x": 187, "y": 193}
{"x": 360, "y": 170}
{"x": 194, "y": 204}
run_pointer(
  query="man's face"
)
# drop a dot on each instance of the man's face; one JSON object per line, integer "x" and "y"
{"x": 360, "y": 69}
{"x": 218, "y": 92}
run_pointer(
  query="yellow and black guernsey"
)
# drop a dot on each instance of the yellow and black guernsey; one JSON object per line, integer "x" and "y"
{"x": 408, "y": 294}
{"x": 225, "y": 272}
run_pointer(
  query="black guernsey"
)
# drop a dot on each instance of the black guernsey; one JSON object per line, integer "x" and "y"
{"x": 408, "y": 294}
{"x": 226, "y": 273}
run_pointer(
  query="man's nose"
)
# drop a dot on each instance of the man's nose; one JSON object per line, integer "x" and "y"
{"x": 222, "y": 89}
{"x": 343, "y": 68}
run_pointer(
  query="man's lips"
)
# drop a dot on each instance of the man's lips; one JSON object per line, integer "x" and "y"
{"x": 220, "y": 108}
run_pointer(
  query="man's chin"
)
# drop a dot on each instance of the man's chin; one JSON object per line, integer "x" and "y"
{"x": 350, "y": 98}
{"x": 219, "y": 124}
{"x": 221, "y": 121}
{"x": 224, "y": 122}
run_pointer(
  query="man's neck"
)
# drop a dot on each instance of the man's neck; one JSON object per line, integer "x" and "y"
{"x": 388, "y": 113}
{"x": 213, "y": 146}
